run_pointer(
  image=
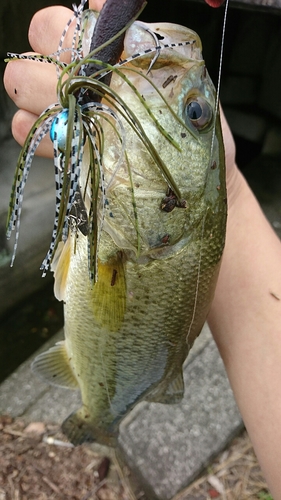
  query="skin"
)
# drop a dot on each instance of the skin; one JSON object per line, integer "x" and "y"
{"x": 245, "y": 315}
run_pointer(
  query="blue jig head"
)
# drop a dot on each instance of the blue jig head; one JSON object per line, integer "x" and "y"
{"x": 58, "y": 130}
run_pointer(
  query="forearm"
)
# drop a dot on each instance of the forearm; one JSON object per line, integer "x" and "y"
{"x": 245, "y": 319}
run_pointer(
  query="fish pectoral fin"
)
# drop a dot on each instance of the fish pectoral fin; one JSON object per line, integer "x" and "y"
{"x": 54, "y": 367}
{"x": 79, "y": 429}
{"x": 60, "y": 267}
{"x": 171, "y": 394}
{"x": 109, "y": 294}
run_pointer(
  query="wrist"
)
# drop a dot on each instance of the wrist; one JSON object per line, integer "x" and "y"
{"x": 240, "y": 199}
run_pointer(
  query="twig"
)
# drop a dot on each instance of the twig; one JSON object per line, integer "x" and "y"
{"x": 57, "y": 442}
{"x": 12, "y": 432}
{"x": 15, "y": 494}
{"x": 52, "y": 485}
{"x": 95, "y": 490}
{"x": 125, "y": 483}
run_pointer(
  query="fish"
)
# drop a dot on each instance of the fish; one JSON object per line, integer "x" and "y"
{"x": 140, "y": 220}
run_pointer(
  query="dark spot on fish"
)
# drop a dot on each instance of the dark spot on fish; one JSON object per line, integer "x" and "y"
{"x": 160, "y": 37}
{"x": 170, "y": 79}
{"x": 101, "y": 384}
{"x": 170, "y": 202}
{"x": 165, "y": 238}
{"x": 54, "y": 375}
{"x": 137, "y": 185}
{"x": 204, "y": 74}
{"x": 143, "y": 97}
{"x": 15, "y": 90}
{"x": 214, "y": 165}
{"x": 183, "y": 135}
{"x": 113, "y": 278}
{"x": 110, "y": 214}
{"x": 160, "y": 111}
{"x": 171, "y": 93}
{"x": 182, "y": 204}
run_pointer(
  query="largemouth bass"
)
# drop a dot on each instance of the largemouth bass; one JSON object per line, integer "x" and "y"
{"x": 141, "y": 228}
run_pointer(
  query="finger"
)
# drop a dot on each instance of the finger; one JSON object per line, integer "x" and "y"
{"x": 46, "y": 28}
{"x": 96, "y": 4}
{"x": 214, "y": 3}
{"x": 21, "y": 125}
{"x": 31, "y": 85}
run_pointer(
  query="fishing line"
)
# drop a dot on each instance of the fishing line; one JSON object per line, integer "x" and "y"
{"x": 211, "y": 155}
{"x": 198, "y": 280}
{"x": 219, "y": 75}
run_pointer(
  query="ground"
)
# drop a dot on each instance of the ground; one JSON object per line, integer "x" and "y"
{"x": 37, "y": 463}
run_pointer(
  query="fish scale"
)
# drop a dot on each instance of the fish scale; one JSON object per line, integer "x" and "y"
{"x": 154, "y": 328}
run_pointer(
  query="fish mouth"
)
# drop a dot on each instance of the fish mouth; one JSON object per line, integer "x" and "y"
{"x": 108, "y": 38}
{"x": 162, "y": 44}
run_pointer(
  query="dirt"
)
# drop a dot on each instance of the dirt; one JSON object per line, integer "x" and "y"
{"x": 37, "y": 463}
{"x": 31, "y": 468}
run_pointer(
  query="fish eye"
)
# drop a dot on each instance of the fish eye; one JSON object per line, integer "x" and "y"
{"x": 198, "y": 112}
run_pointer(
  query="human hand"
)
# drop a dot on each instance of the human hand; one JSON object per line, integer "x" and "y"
{"x": 35, "y": 84}
{"x": 32, "y": 86}
{"x": 233, "y": 176}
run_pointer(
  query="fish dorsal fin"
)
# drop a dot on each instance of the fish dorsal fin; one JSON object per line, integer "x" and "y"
{"x": 171, "y": 394}
{"x": 60, "y": 267}
{"x": 54, "y": 367}
{"x": 109, "y": 294}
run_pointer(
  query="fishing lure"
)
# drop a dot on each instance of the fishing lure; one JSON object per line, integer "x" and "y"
{"x": 76, "y": 120}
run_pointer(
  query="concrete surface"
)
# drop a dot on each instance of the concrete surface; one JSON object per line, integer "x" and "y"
{"x": 166, "y": 446}
{"x": 169, "y": 445}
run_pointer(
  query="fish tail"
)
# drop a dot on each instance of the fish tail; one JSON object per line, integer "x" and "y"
{"x": 78, "y": 429}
